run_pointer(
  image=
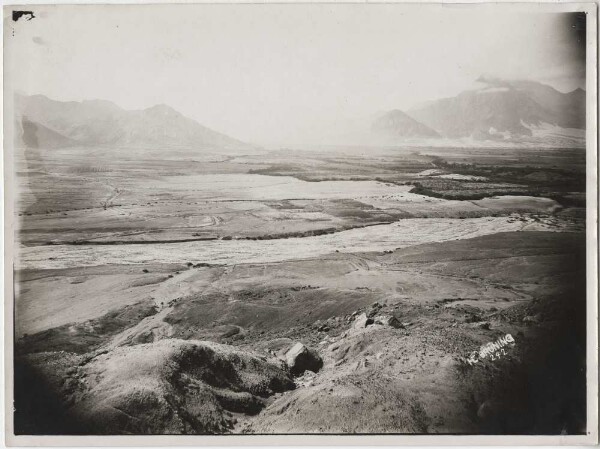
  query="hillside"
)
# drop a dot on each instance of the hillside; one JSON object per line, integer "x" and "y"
{"x": 397, "y": 124}
{"x": 102, "y": 123}
{"x": 503, "y": 109}
{"x": 34, "y": 135}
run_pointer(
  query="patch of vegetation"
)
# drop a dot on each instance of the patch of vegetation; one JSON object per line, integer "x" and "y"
{"x": 507, "y": 178}
{"x": 277, "y": 170}
{"x": 420, "y": 189}
{"x": 547, "y": 178}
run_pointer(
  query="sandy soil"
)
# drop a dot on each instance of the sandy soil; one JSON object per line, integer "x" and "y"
{"x": 161, "y": 293}
{"x": 233, "y": 251}
{"x": 104, "y": 196}
{"x": 450, "y": 298}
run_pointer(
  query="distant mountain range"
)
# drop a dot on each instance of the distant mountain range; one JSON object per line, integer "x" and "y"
{"x": 46, "y": 123}
{"x": 511, "y": 112}
{"x": 501, "y": 110}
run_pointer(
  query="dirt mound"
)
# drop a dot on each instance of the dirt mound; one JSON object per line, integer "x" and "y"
{"x": 172, "y": 386}
{"x": 398, "y": 378}
{"x": 89, "y": 335}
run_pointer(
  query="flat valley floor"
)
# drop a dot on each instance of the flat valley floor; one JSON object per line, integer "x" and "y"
{"x": 160, "y": 292}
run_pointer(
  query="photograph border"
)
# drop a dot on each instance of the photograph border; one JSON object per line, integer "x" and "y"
{"x": 591, "y": 8}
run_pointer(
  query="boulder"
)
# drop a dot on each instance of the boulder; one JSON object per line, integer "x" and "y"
{"x": 322, "y": 327}
{"x": 362, "y": 321}
{"x": 299, "y": 359}
{"x": 532, "y": 319}
{"x": 388, "y": 320}
{"x": 375, "y": 308}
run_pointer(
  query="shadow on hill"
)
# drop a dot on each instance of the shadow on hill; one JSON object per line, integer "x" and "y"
{"x": 38, "y": 408}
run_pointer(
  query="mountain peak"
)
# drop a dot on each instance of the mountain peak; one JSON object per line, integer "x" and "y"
{"x": 160, "y": 107}
{"x": 398, "y": 124}
{"x": 162, "y": 111}
{"x": 493, "y": 81}
{"x": 106, "y": 105}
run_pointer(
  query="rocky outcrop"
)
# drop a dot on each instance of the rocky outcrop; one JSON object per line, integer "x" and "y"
{"x": 388, "y": 320}
{"x": 362, "y": 321}
{"x": 299, "y": 358}
{"x": 169, "y": 386}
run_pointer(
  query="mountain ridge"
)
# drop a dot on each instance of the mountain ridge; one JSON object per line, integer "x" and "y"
{"x": 502, "y": 107}
{"x": 103, "y": 123}
{"x": 511, "y": 112}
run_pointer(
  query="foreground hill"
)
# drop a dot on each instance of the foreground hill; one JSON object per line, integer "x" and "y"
{"x": 505, "y": 109}
{"x": 48, "y": 123}
{"x": 394, "y": 331}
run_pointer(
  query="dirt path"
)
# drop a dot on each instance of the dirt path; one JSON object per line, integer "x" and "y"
{"x": 174, "y": 289}
{"x": 151, "y": 328}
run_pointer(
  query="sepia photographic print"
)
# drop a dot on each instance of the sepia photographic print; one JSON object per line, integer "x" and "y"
{"x": 240, "y": 222}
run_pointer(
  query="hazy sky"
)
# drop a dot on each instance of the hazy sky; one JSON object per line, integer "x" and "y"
{"x": 277, "y": 73}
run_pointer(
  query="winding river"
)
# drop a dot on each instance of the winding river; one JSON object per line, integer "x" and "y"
{"x": 400, "y": 234}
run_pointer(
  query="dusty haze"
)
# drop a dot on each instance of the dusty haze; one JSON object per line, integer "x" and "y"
{"x": 299, "y": 219}
{"x": 279, "y": 74}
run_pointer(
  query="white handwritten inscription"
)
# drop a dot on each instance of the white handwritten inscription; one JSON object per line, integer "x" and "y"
{"x": 493, "y": 350}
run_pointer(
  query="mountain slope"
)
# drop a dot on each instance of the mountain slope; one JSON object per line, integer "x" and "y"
{"x": 34, "y": 135}
{"x": 503, "y": 107}
{"x": 397, "y": 124}
{"x": 102, "y": 123}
